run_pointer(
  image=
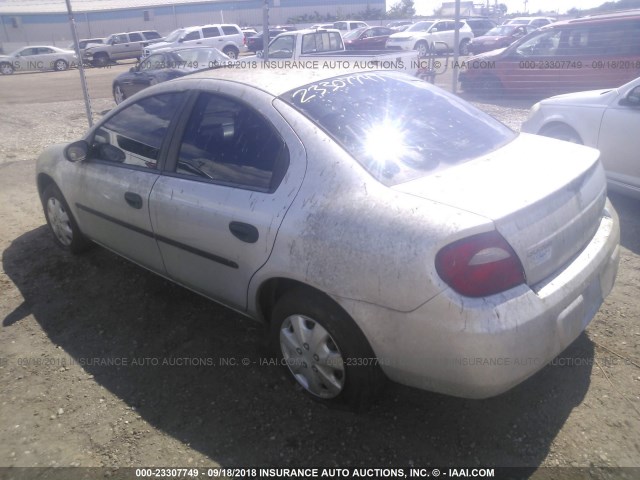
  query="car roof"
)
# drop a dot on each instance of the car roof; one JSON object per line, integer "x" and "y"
{"x": 276, "y": 81}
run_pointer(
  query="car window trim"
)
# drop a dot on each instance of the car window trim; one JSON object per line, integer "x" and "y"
{"x": 171, "y": 159}
{"x": 166, "y": 141}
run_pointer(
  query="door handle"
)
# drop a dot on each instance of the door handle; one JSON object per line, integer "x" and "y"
{"x": 133, "y": 199}
{"x": 244, "y": 231}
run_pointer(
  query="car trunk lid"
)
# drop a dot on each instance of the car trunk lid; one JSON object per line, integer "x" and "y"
{"x": 544, "y": 196}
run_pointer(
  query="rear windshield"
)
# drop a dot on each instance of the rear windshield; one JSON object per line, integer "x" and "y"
{"x": 397, "y": 127}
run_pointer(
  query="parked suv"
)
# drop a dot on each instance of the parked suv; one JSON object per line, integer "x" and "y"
{"x": 228, "y": 38}
{"x": 602, "y": 51}
{"x": 431, "y": 33}
{"x": 119, "y": 46}
{"x": 348, "y": 25}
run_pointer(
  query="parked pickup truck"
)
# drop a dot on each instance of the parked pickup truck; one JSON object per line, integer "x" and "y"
{"x": 324, "y": 48}
{"x": 119, "y": 46}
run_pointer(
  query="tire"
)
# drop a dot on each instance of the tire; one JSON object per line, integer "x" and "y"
{"x": 101, "y": 60}
{"x": 488, "y": 85}
{"x": 422, "y": 48}
{"x": 464, "y": 47}
{"x": 314, "y": 337}
{"x": 61, "y": 222}
{"x": 561, "y": 131}
{"x": 231, "y": 52}
{"x": 60, "y": 65}
{"x": 118, "y": 95}
{"x": 6, "y": 69}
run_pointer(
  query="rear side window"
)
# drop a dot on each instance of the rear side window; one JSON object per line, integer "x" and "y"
{"x": 210, "y": 32}
{"x": 397, "y": 127}
{"x": 230, "y": 143}
{"x": 135, "y": 37}
{"x": 321, "y": 42}
{"x": 151, "y": 35}
{"x": 230, "y": 30}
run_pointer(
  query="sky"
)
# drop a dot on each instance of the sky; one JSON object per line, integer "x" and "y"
{"x": 426, "y": 7}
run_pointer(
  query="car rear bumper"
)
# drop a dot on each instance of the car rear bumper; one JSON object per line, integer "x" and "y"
{"x": 478, "y": 348}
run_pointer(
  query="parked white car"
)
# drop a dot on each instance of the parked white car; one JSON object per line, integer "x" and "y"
{"x": 228, "y": 38}
{"x": 422, "y": 36}
{"x": 348, "y": 25}
{"x": 344, "y": 211}
{"x": 38, "y": 58}
{"x": 608, "y": 120}
{"x": 532, "y": 22}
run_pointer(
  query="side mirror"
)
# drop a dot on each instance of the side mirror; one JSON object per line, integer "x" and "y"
{"x": 259, "y": 53}
{"x": 632, "y": 99}
{"x": 76, "y": 151}
{"x": 434, "y": 30}
{"x": 133, "y": 70}
{"x": 180, "y": 40}
{"x": 108, "y": 152}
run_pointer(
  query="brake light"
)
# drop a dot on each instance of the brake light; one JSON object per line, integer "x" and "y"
{"x": 480, "y": 265}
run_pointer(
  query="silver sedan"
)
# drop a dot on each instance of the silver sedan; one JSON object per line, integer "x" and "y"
{"x": 38, "y": 58}
{"x": 380, "y": 226}
{"x": 608, "y": 120}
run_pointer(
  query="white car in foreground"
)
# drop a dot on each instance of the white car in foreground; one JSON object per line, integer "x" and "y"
{"x": 38, "y": 58}
{"x": 376, "y": 223}
{"x": 608, "y": 120}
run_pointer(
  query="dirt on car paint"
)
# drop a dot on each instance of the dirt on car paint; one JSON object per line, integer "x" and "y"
{"x": 104, "y": 364}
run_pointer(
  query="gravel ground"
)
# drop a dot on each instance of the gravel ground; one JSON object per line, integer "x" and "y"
{"x": 62, "y": 408}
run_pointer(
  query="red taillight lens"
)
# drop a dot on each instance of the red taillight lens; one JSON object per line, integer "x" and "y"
{"x": 480, "y": 265}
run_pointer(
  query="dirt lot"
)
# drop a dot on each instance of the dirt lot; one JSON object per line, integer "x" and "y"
{"x": 63, "y": 317}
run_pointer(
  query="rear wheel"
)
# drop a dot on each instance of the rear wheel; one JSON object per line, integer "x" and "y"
{"x": 489, "y": 85}
{"x": 6, "y": 68}
{"x": 231, "y": 52}
{"x": 60, "y": 65}
{"x": 562, "y": 132}
{"x": 118, "y": 94}
{"x": 324, "y": 350}
{"x": 61, "y": 222}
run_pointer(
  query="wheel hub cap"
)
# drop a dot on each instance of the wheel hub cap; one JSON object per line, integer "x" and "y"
{"x": 59, "y": 221}
{"x": 312, "y": 356}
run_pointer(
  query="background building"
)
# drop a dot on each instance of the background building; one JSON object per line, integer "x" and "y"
{"x": 26, "y": 22}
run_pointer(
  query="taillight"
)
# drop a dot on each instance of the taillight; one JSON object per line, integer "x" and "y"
{"x": 480, "y": 265}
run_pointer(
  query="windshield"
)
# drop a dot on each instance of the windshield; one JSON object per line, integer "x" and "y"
{"x": 397, "y": 127}
{"x": 419, "y": 27}
{"x": 501, "y": 31}
{"x": 174, "y": 36}
{"x": 353, "y": 34}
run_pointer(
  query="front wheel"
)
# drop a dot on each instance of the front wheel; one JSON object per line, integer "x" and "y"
{"x": 464, "y": 47}
{"x": 118, "y": 94}
{"x": 100, "y": 60}
{"x": 6, "y": 68}
{"x": 61, "y": 222}
{"x": 422, "y": 48}
{"x": 324, "y": 350}
{"x": 60, "y": 65}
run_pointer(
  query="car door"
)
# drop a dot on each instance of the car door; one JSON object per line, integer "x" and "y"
{"x": 619, "y": 142}
{"x": 120, "y": 46}
{"x": 47, "y": 57}
{"x": 27, "y": 60}
{"x": 192, "y": 39}
{"x": 112, "y": 202}
{"x": 212, "y": 37}
{"x": 217, "y": 210}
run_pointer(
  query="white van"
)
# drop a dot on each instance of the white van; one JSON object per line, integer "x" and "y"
{"x": 226, "y": 38}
